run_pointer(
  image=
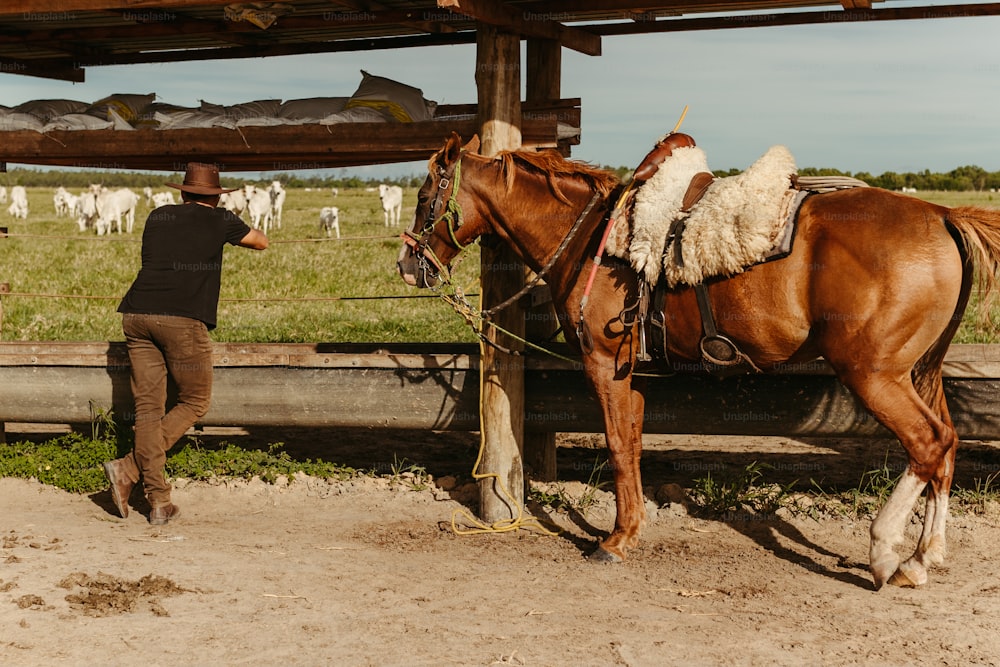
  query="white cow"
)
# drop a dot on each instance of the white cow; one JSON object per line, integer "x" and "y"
{"x": 392, "y": 203}
{"x": 329, "y": 220}
{"x": 235, "y": 201}
{"x": 18, "y": 202}
{"x": 111, "y": 206}
{"x": 163, "y": 199}
{"x": 86, "y": 211}
{"x": 258, "y": 207}
{"x": 148, "y": 193}
{"x": 70, "y": 200}
{"x": 59, "y": 202}
{"x": 3, "y": 194}
{"x": 277, "y": 202}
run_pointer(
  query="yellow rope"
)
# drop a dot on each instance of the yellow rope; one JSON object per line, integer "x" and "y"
{"x": 503, "y": 525}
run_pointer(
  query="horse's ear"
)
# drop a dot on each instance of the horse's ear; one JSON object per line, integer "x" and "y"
{"x": 452, "y": 148}
{"x": 473, "y": 145}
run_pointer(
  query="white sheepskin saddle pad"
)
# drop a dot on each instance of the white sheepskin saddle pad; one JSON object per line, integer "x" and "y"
{"x": 734, "y": 225}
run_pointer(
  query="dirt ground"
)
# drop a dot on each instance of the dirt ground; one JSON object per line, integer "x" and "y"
{"x": 369, "y": 572}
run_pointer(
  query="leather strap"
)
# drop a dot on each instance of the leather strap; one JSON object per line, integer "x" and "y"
{"x": 705, "y": 308}
{"x": 696, "y": 190}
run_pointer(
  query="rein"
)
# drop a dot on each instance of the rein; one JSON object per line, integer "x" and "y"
{"x": 487, "y": 314}
{"x": 452, "y": 215}
{"x": 476, "y": 318}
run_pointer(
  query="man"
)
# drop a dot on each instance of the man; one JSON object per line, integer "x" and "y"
{"x": 166, "y": 316}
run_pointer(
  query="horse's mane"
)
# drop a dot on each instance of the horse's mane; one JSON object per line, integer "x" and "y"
{"x": 551, "y": 164}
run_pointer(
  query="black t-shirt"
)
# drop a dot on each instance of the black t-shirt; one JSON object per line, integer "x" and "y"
{"x": 181, "y": 271}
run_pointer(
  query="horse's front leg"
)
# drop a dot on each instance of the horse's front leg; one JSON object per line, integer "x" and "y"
{"x": 623, "y": 412}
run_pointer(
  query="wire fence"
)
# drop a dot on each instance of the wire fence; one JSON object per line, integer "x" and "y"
{"x": 5, "y": 290}
{"x": 9, "y": 292}
{"x": 112, "y": 238}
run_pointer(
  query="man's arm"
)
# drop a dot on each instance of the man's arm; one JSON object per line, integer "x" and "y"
{"x": 255, "y": 239}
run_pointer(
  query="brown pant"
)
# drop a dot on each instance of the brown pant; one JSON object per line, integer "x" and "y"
{"x": 158, "y": 345}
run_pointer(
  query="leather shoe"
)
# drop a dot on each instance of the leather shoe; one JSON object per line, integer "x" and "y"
{"x": 159, "y": 516}
{"x": 121, "y": 486}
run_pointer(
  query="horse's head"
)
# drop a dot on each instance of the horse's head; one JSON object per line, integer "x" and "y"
{"x": 438, "y": 233}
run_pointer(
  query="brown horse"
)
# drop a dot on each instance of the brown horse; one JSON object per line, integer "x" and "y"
{"x": 876, "y": 283}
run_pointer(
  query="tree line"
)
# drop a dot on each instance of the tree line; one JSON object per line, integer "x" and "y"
{"x": 74, "y": 180}
{"x": 959, "y": 179}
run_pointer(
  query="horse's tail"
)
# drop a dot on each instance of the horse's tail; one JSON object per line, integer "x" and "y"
{"x": 977, "y": 234}
{"x": 980, "y": 232}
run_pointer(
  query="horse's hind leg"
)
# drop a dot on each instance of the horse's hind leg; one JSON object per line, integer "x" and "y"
{"x": 930, "y": 442}
{"x": 932, "y": 545}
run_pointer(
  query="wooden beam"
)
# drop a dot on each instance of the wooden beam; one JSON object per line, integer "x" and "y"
{"x": 797, "y": 18}
{"x": 79, "y": 49}
{"x": 526, "y": 24}
{"x": 60, "y": 71}
{"x": 44, "y": 7}
{"x": 305, "y": 384}
{"x": 544, "y": 70}
{"x": 501, "y": 496}
{"x": 220, "y": 28}
{"x": 267, "y": 51}
{"x": 250, "y": 40}
{"x": 643, "y": 10}
{"x": 279, "y": 148}
{"x": 543, "y": 82}
{"x": 377, "y": 12}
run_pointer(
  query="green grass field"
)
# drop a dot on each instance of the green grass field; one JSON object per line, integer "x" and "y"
{"x": 305, "y": 288}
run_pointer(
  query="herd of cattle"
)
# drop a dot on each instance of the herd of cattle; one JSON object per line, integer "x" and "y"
{"x": 104, "y": 210}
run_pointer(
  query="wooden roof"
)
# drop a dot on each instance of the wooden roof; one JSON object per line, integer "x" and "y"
{"x": 61, "y": 39}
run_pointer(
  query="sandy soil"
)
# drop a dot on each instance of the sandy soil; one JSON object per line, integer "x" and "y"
{"x": 369, "y": 572}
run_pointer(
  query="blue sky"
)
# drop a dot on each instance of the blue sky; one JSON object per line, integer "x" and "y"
{"x": 887, "y": 96}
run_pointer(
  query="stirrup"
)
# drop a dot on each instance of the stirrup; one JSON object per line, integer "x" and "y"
{"x": 642, "y": 355}
{"x": 720, "y": 351}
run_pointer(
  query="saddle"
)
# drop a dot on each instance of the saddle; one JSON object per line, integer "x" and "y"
{"x": 720, "y": 355}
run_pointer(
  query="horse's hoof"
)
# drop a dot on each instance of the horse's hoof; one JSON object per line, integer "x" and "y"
{"x": 901, "y": 580}
{"x": 883, "y": 570}
{"x": 909, "y": 576}
{"x": 602, "y": 555}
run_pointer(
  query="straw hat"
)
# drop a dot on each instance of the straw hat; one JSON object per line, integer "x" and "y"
{"x": 201, "y": 179}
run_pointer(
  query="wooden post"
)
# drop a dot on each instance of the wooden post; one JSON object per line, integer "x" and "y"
{"x": 498, "y": 81}
{"x": 544, "y": 61}
{"x": 4, "y": 289}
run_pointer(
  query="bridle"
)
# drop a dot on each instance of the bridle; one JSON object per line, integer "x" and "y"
{"x": 428, "y": 260}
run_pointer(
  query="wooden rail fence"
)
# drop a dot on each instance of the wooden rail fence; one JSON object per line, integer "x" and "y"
{"x": 437, "y": 387}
